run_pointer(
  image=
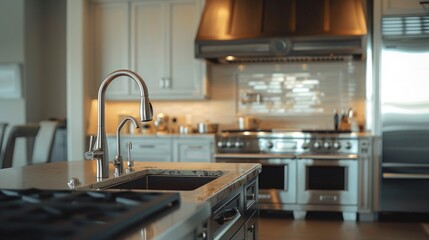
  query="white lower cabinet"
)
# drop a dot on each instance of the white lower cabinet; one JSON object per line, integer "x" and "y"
{"x": 193, "y": 150}
{"x": 144, "y": 149}
{"x": 172, "y": 148}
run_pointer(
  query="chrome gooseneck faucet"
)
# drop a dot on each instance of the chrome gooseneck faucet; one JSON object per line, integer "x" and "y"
{"x": 118, "y": 163}
{"x": 99, "y": 152}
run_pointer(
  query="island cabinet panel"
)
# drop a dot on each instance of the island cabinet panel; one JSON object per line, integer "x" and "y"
{"x": 193, "y": 150}
{"x": 236, "y": 216}
{"x": 153, "y": 38}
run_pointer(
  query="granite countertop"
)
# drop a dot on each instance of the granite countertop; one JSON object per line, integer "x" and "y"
{"x": 195, "y": 205}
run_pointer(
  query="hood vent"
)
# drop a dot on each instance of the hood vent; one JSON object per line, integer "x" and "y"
{"x": 285, "y": 59}
{"x": 281, "y": 30}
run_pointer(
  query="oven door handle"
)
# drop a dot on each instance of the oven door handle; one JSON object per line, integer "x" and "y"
{"x": 405, "y": 165}
{"x": 253, "y": 156}
{"x": 329, "y": 156}
{"x": 405, "y": 176}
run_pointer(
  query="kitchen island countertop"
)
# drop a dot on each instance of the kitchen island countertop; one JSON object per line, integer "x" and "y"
{"x": 195, "y": 205}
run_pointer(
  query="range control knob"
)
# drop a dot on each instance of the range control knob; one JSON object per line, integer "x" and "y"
{"x": 239, "y": 144}
{"x": 221, "y": 144}
{"x": 348, "y": 145}
{"x": 305, "y": 145}
{"x": 327, "y": 145}
{"x": 317, "y": 145}
{"x": 229, "y": 144}
{"x": 268, "y": 144}
{"x": 337, "y": 145}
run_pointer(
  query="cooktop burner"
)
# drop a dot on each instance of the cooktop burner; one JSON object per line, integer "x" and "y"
{"x": 66, "y": 214}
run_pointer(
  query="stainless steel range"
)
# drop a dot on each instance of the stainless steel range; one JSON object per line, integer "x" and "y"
{"x": 301, "y": 170}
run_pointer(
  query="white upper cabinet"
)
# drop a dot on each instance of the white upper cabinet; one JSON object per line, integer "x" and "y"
{"x": 405, "y": 7}
{"x": 155, "y": 39}
{"x": 111, "y": 44}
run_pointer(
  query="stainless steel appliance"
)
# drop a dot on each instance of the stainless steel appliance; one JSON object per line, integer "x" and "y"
{"x": 301, "y": 171}
{"x": 404, "y": 102}
{"x": 272, "y": 30}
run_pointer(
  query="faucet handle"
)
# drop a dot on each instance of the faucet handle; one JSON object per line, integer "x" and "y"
{"x": 90, "y": 154}
{"x": 130, "y": 162}
{"x": 91, "y": 142}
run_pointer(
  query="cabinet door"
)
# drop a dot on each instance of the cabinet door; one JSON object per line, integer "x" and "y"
{"x": 251, "y": 228}
{"x": 185, "y": 71}
{"x": 163, "y": 35}
{"x": 111, "y": 45}
{"x": 398, "y": 7}
{"x": 149, "y": 50}
{"x": 195, "y": 150}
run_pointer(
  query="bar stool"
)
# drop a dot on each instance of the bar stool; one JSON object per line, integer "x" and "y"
{"x": 40, "y": 140}
{"x": 3, "y": 127}
{"x": 28, "y": 132}
{"x": 42, "y": 150}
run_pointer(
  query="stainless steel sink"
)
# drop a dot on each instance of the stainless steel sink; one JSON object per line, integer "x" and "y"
{"x": 164, "y": 182}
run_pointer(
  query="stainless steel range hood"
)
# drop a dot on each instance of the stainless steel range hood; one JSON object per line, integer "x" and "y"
{"x": 281, "y": 30}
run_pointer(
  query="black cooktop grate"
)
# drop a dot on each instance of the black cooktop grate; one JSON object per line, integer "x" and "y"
{"x": 63, "y": 214}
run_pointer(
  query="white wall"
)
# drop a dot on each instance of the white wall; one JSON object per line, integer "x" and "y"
{"x": 78, "y": 82}
{"x": 39, "y": 48}
{"x": 12, "y": 51}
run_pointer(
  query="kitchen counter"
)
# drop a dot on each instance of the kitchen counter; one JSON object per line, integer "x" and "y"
{"x": 195, "y": 205}
{"x": 166, "y": 135}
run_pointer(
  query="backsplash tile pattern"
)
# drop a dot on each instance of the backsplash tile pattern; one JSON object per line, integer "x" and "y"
{"x": 310, "y": 89}
{"x": 340, "y": 85}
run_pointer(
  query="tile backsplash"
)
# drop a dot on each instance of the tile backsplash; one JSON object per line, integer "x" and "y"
{"x": 310, "y": 89}
{"x": 289, "y": 95}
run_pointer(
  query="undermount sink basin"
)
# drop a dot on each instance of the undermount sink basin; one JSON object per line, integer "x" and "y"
{"x": 165, "y": 182}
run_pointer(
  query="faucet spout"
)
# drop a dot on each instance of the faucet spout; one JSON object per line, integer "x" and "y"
{"x": 146, "y": 114}
{"x": 118, "y": 162}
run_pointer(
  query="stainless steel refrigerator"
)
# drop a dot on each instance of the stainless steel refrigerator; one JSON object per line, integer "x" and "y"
{"x": 404, "y": 106}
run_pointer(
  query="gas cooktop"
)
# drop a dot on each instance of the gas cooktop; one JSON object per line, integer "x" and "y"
{"x": 66, "y": 214}
{"x": 326, "y": 131}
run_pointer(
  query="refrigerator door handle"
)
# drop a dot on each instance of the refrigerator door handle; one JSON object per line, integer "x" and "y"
{"x": 405, "y": 176}
{"x": 405, "y": 165}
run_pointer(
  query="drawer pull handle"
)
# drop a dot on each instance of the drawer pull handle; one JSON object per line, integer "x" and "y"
{"x": 227, "y": 216}
{"x": 251, "y": 196}
{"x": 195, "y": 147}
{"x": 147, "y": 146}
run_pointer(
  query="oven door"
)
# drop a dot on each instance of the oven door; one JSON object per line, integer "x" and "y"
{"x": 277, "y": 181}
{"x": 330, "y": 182}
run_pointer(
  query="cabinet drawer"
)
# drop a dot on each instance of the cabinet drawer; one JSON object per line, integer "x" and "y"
{"x": 196, "y": 150}
{"x": 251, "y": 227}
{"x": 149, "y": 145}
{"x": 148, "y": 149}
{"x": 405, "y": 7}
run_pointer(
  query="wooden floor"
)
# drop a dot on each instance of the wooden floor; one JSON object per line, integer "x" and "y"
{"x": 331, "y": 228}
